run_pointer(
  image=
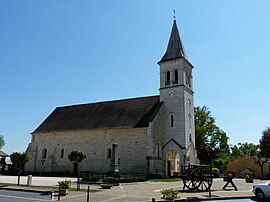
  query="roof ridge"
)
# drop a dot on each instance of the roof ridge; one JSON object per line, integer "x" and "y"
{"x": 109, "y": 101}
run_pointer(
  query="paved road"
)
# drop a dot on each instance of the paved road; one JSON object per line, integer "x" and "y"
{"x": 20, "y": 196}
{"x": 142, "y": 191}
{"x": 36, "y": 180}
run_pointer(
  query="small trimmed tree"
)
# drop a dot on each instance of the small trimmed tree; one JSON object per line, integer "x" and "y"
{"x": 78, "y": 157}
{"x": 19, "y": 160}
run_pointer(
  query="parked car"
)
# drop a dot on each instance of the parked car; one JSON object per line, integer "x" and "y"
{"x": 262, "y": 190}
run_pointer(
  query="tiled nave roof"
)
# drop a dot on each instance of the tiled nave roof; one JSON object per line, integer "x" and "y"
{"x": 127, "y": 113}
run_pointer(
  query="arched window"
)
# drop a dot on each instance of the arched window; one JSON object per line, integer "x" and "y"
{"x": 188, "y": 79}
{"x": 168, "y": 78}
{"x": 176, "y": 76}
{"x": 190, "y": 139}
{"x": 172, "y": 120}
{"x": 62, "y": 153}
{"x": 44, "y": 153}
{"x": 158, "y": 150}
{"x": 109, "y": 153}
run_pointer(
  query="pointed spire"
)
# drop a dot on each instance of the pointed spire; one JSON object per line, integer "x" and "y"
{"x": 175, "y": 47}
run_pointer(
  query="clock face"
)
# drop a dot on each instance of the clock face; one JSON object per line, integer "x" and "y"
{"x": 171, "y": 93}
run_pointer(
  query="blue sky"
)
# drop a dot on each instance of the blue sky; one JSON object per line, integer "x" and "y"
{"x": 56, "y": 53}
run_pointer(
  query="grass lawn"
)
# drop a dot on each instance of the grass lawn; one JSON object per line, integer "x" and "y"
{"x": 54, "y": 188}
{"x": 165, "y": 180}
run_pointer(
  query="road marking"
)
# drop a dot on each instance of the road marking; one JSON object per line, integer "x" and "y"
{"x": 18, "y": 197}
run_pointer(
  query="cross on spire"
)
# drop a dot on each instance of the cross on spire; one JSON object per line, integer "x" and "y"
{"x": 173, "y": 14}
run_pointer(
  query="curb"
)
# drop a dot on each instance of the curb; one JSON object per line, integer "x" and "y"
{"x": 208, "y": 199}
{"x": 218, "y": 198}
{"x": 26, "y": 190}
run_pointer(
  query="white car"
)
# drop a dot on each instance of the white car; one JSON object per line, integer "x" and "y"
{"x": 262, "y": 190}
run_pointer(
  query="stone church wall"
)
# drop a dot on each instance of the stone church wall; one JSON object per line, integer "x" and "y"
{"x": 95, "y": 143}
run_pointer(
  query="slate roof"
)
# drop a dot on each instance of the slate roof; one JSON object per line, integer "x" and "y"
{"x": 175, "y": 48}
{"x": 127, "y": 113}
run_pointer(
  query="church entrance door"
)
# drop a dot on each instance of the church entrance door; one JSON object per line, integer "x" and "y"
{"x": 172, "y": 163}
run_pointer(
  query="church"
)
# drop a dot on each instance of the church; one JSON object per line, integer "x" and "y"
{"x": 146, "y": 135}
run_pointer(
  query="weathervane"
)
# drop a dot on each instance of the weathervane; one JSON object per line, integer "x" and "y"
{"x": 173, "y": 14}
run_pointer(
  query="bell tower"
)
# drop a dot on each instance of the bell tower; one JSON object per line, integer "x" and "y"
{"x": 176, "y": 93}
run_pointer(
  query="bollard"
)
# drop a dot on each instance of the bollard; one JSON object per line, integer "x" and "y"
{"x": 153, "y": 199}
{"x": 59, "y": 191}
{"x": 29, "y": 180}
{"x": 88, "y": 194}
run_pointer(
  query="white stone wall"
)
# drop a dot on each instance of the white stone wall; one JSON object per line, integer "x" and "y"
{"x": 95, "y": 143}
{"x": 190, "y": 123}
{"x": 181, "y": 65}
{"x": 178, "y": 100}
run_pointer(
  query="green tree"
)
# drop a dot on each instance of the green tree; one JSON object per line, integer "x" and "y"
{"x": 78, "y": 157}
{"x": 2, "y": 141}
{"x": 235, "y": 153}
{"x": 19, "y": 160}
{"x": 264, "y": 154}
{"x": 244, "y": 149}
{"x": 210, "y": 139}
{"x": 265, "y": 144}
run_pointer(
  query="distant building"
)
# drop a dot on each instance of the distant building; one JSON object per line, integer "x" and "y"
{"x": 3, "y": 162}
{"x": 140, "y": 135}
{"x": 246, "y": 166}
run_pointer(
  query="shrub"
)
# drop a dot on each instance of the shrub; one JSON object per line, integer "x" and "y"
{"x": 215, "y": 170}
{"x": 110, "y": 180}
{"x": 154, "y": 176}
{"x": 66, "y": 184}
{"x": 91, "y": 177}
{"x": 231, "y": 173}
{"x": 169, "y": 194}
{"x": 131, "y": 178}
{"x": 124, "y": 179}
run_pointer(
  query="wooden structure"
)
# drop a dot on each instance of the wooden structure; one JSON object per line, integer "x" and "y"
{"x": 229, "y": 180}
{"x": 197, "y": 177}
